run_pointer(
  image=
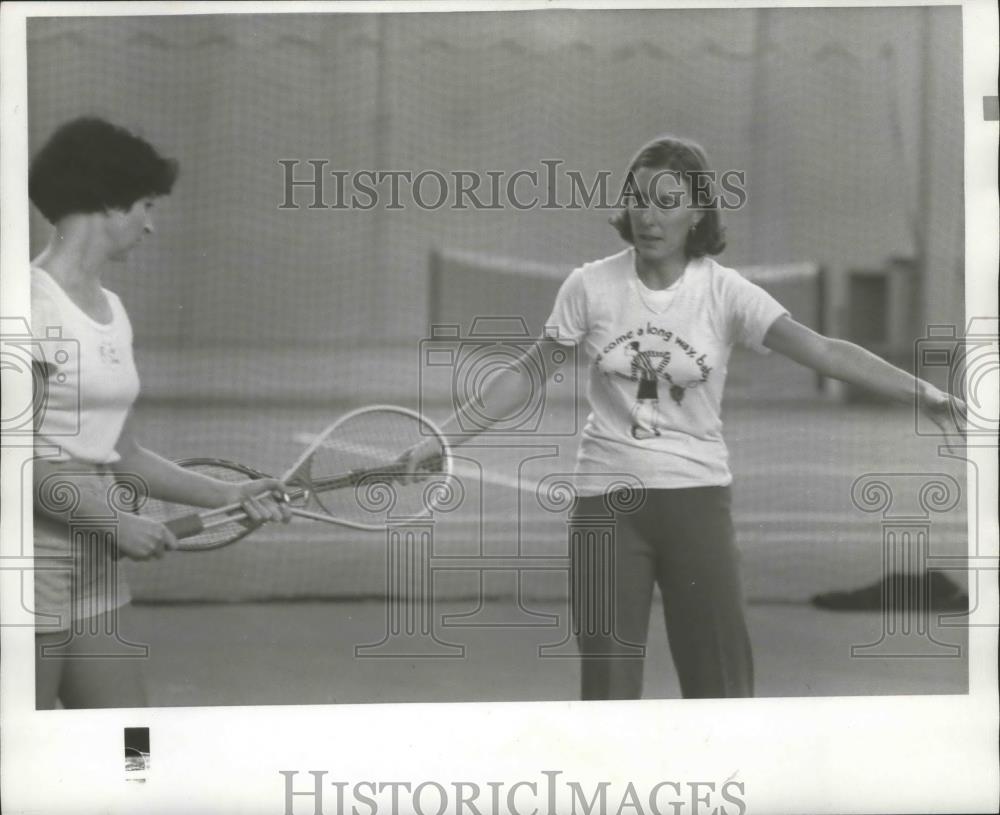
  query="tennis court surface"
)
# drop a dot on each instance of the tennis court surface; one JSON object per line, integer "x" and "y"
{"x": 279, "y": 618}
{"x": 303, "y": 653}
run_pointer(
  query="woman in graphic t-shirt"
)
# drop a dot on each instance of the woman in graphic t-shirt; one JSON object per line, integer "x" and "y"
{"x": 663, "y": 315}
{"x": 96, "y": 184}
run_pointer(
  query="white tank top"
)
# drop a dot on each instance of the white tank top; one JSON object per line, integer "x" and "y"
{"x": 90, "y": 373}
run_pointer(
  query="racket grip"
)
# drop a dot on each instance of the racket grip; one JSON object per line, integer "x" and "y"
{"x": 186, "y": 527}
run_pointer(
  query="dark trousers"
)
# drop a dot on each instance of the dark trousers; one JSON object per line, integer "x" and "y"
{"x": 683, "y": 540}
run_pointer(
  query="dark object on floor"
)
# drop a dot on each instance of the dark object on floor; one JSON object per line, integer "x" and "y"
{"x": 899, "y": 591}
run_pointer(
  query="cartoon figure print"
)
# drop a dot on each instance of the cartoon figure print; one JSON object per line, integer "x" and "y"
{"x": 625, "y": 357}
{"x": 645, "y": 412}
{"x": 648, "y": 368}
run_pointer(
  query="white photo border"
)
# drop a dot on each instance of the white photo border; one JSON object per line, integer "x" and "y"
{"x": 868, "y": 754}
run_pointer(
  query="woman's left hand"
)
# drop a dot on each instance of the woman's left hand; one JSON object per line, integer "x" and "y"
{"x": 263, "y": 499}
{"x": 945, "y": 410}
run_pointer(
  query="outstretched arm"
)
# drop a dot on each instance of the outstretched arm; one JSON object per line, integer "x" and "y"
{"x": 505, "y": 390}
{"x": 853, "y": 364}
{"x": 500, "y": 395}
{"x": 170, "y": 482}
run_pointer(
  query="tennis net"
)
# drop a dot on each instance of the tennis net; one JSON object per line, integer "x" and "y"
{"x": 257, "y": 322}
{"x": 795, "y": 458}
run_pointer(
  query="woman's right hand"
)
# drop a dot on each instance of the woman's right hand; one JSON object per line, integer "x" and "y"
{"x": 423, "y": 458}
{"x": 141, "y": 538}
{"x": 262, "y": 499}
{"x": 948, "y": 412}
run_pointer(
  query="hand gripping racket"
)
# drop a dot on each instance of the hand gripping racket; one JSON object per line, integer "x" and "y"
{"x": 355, "y": 473}
{"x": 217, "y": 534}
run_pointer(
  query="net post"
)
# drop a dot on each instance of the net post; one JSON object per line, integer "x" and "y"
{"x": 434, "y": 291}
{"x": 822, "y": 318}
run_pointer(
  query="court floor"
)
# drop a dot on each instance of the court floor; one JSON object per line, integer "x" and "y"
{"x": 304, "y": 653}
{"x": 800, "y": 523}
{"x": 798, "y": 528}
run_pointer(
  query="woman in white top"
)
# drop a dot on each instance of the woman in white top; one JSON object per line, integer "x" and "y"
{"x": 657, "y": 322}
{"x": 96, "y": 184}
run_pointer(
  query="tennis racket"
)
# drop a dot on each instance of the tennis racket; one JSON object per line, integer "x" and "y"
{"x": 353, "y": 474}
{"x": 237, "y": 525}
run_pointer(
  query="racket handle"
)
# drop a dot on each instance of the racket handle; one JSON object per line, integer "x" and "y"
{"x": 186, "y": 526}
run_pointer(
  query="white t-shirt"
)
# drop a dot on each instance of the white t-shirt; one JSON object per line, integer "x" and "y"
{"x": 658, "y": 364}
{"x": 91, "y": 374}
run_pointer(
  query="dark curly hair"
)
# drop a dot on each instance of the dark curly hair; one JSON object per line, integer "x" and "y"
{"x": 689, "y": 160}
{"x": 90, "y": 165}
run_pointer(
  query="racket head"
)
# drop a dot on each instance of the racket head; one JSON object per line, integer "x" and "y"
{"x": 217, "y": 536}
{"x": 354, "y": 470}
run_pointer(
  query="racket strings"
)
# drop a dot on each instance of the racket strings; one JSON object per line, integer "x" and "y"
{"x": 371, "y": 465}
{"x": 233, "y": 529}
{"x": 359, "y": 471}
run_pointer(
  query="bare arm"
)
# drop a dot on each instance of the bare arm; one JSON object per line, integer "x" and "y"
{"x": 139, "y": 537}
{"x": 166, "y": 480}
{"x": 68, "y": 490}
{"x": 505, "y": 390}
{"x": 502, "y": 393}
{"x": 851, "y": 363}
{"x": 170, "y": 482}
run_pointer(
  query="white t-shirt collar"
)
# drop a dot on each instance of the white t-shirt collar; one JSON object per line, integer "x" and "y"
{"x": 658, "y": 300}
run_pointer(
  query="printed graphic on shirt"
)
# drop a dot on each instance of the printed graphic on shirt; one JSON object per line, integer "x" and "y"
{"x": 648, "y": 355}
{"x": 109, "y": 353}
